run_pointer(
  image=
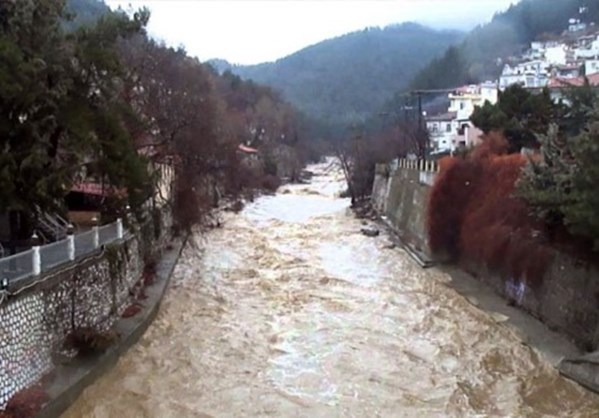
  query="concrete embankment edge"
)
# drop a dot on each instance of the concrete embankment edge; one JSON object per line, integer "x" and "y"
{"x": 584, "y": 370}
{"x": 555, "y": 347}
{"x": 551, "y": 317}
{"x": 71, "y": 379}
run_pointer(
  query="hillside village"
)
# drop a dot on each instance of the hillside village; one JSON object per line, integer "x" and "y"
{"x": 556, "y": 64}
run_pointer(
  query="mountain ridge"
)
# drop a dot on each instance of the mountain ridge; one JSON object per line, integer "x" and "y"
{"x": 342, "y": 80}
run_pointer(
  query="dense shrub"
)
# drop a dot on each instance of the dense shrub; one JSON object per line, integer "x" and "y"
{"x": 474, "y": 217}
{"x": 88, "y": 341}
{"x": 270, "y": 182}
{"x": 448, "y": 201}
{"x": 26, "y": 404}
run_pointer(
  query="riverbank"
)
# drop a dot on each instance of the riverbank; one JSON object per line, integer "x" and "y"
{"x": 72, "y": 378}
{"x": 534, "y": 333}
{"x": 289, "y": 310}
{"x": 558, "y": 317}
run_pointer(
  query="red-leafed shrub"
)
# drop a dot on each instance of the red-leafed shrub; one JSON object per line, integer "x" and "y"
{"x": 149, "y": 273}
{"x": 447, "y": 207}
{"x": 473, "y": 215}
{"x": 26, "y": 403}
{"x": 493, "y": 144}
{"x": 131, "y": 310}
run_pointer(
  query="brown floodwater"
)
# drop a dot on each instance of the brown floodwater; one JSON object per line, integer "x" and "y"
{"x": 289, "y": 311}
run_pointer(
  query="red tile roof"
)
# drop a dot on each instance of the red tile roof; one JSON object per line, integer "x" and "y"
{"x": 247, "y": 150}
{"x": 442, "y": 117}
{"x": 564, "y": 82}
{"x": 97, "y": 189}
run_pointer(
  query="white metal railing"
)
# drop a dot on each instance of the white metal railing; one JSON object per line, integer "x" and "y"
{"x": 17, "y": 266}
{"x": 42, "y": 258}
{"x": 51, "y": 255}
{"x": 427, "y": 170}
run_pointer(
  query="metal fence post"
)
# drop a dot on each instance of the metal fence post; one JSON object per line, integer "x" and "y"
{"x": 96, "y": 231}
{"x": 119, "y": 228}
{"x": 128, "y": 215}
{"x": 36, "y": 261}
{"x": 71, "y": 241}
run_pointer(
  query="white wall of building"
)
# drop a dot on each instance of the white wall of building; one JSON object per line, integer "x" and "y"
{"x": 441, "y": 134}
{"x": 448, "y": 134}
{"x": 489, "y": 93}
{"x": 556, "y": 55}
{"x": 531, "y": 74}
{"x": 591, "y": 66}
{"x": 463, "y": 105}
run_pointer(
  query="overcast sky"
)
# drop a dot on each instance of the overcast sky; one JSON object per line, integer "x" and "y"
{"x": 250, "y": 32}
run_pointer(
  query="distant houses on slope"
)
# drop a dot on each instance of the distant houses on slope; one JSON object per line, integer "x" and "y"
{"x": 556, "y": 65}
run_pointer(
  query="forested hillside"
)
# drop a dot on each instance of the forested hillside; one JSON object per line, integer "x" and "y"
{"x": 342, "y": 80}
{"x": 480, "y": 55}
{"x": 84, "y": 12}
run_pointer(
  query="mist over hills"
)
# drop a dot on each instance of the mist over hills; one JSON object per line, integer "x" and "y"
{"x": 481, "y": 54}
{"x": 349, "y": 79}
{"x": 342, "y": 80}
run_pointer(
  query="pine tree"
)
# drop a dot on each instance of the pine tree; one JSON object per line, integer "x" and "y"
{"x": 580, "y": 211}
{"x": 546, "y": 183}
{"x": 562, "y": 186}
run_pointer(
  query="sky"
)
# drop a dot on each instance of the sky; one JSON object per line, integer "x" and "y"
{"x": 251, "y": 31}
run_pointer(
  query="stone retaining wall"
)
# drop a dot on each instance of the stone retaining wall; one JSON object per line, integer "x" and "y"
{"x": 401, "y": 195}
{"x": 91, "y": 293}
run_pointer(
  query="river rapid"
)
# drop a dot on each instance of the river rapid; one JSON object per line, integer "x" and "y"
{"x": 289, "y": 311}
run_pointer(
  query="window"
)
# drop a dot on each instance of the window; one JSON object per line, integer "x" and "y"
{"x": 448, "y": 127}
{"x": 462, "y": 105}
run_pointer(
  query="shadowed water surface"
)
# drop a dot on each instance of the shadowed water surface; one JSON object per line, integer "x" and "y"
{"x": 288, "y": 311}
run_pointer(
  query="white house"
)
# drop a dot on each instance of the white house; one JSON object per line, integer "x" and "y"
{"x": 559, "y": 86}
{"x": 531, "y": 74}
{"x": 442, "y": 130}
{"x": 567, "y": 71}
{"x": 591, "y": 66}
{"x": 454, "y": 129}
{"x": 588, "y": 48}
{"x": 584, "y": 41}
{"x": 575, "y": 25}
{"x": 557, "y": 54}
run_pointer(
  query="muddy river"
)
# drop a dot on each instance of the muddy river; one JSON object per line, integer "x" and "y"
{"x": 289, "y": 311}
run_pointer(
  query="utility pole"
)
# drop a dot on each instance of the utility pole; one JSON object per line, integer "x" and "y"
{"x": 421, "y": 130}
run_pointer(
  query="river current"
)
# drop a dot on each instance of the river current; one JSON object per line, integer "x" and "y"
{"x": 289, "y": 311}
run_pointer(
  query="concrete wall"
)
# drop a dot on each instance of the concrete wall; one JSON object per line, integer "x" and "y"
{"x": 92, "y": 292}
{"x": 568, "y": 298}
{"x": 400, "y": 194}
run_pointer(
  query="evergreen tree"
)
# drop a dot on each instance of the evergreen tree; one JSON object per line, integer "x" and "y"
{"x": 562, "y": 187}
{"x": 519, "y": 115}
{"x": 60, "y": 105}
